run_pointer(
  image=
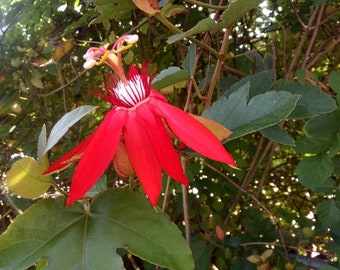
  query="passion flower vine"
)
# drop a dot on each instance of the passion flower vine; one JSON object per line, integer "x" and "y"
{"x": 137, "y": 131}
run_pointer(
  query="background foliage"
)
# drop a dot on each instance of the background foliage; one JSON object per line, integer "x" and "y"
{"x": 267, "y": 70}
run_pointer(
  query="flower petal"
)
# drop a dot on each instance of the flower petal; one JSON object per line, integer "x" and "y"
{"x": 98, "y": 154}
{"x": 161, "y": 143}
{"x": 193, "y": 133}
{"x": 142, "y": 157}
{"x": 70, "y": 157}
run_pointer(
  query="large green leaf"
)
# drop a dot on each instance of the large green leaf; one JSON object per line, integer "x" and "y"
{"x": 243, "y": 117}
{"x": 314, "y": 173}
{"x": 312, "y": 100}
{"x": 75, "y": 238}
{"x": 260, "y": 83}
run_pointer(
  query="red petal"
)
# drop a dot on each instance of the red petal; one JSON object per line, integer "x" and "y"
{"x": 98, "y": 154}
{"x": 142, "y": 158}
{"x": 193, "y": 133}
{"x": 70, "y": 157}
{"x": 161, "y": 143}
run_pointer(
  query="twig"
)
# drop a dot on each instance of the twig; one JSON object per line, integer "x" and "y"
{"x": 216, "y": 75}
{"x": 174, "y": 29}
{"x": 271, "y": 216}
{"x": 313, "y": 38}
{"x": 206, "y": 5}
{"x": 61, "y": 87}
{"x": 302, "y": 42}
{"x": 322, "y": 53}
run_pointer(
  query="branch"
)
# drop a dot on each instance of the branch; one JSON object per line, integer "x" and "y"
{"x": 323, "y": 52}
{"x": 313, "y": 38}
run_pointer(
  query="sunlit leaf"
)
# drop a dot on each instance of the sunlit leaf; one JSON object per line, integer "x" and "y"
{"x": 62, "y": 49}
{"x": 42, "y": 142}
{"x": 169, "y": 76}
{"x": 204, "y": 25}
{"x": 236, "y": 9}
{"x": 219, "y": 131}
{"x": 25, "y": 178}
{"x": 75, "y": 238}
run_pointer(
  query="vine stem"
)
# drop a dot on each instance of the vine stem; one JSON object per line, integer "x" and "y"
{"x": 313, "y": 38}
{"x": 303, "y": 40}
{"x": 216, "y": 75}
{"x": 256, "y": 200}
{"x": 60, "y": 190}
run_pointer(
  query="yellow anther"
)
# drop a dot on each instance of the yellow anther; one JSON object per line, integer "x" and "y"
{"x": 104, "y": 57}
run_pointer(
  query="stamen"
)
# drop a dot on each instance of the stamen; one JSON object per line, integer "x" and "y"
{"x": 132, "y": 93}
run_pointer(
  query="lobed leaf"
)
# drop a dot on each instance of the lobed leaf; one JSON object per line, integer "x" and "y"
{"x": 243, "y": 117}
{"x": 75, "y": 238}
{"x": 312, "y": 100}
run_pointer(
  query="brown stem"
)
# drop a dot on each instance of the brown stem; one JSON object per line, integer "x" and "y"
{"x": 322, "y": 53}
{"x": 216, "y": 75}
{"x": 302, "y": 42}
{"x": 314, "y": 36}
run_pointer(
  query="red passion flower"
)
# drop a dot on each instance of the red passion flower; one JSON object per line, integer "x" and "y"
{"x": 139, "y": 125}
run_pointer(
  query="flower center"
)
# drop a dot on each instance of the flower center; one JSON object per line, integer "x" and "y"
{"x": 130, "y": 94}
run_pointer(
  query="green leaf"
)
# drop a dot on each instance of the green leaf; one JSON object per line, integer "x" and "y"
{"x": 25, "y": 178}
{"x": 236, "y": 9}
{"x": 169, "y": 76}
{"x": 314, "y": 173}
{"x": 75, "y": 238}
{"x": 324, "y": 126}
{"x": 312, "y": 145}
{"x": 42, "y": 142}
{"x": 201, "y": 252}
{"x": 243, "y": 117}
{"x": 204, "y": 25}
{"x": 328, "y": 213}
{"x": 62, "y": 126}
{"x": 278, "y": 134}
{"x": 190, "y": 60}
{"x": 112, "y": 9}
{"x": 312, "y": 100}
{"x": 334, "y": 83}
{"x": 260, "y": 82}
